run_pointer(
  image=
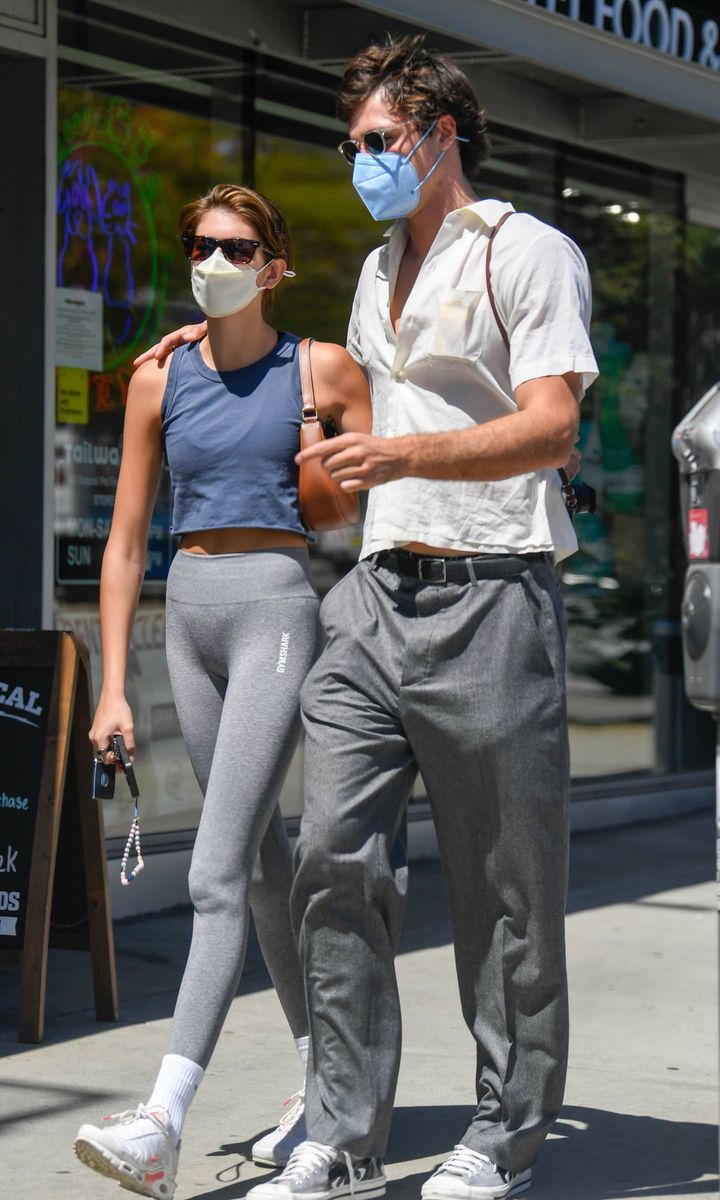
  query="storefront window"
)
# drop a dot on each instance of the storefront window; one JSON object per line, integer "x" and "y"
{"x": 125, "y": 168}
{"x": 618, "y": 586}
{"x": 124, "y": 171}
{"x": 523, "y": 170}
{"x": 144, "y": 126}
{"x": 702, "y": 269}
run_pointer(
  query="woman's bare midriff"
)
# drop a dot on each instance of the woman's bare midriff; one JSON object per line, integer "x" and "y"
{"x": 239, "y": 541}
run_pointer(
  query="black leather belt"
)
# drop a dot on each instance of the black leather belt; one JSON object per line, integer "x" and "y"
{"x": 456, "y": 569}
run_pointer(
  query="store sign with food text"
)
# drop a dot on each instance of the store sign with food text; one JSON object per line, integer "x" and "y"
{"x": 682, "y": 32}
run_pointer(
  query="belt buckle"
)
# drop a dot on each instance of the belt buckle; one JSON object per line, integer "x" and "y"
{"x": 434, "y": 564}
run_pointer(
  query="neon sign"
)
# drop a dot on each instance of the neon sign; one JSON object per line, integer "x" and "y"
{"x": 107, "y": 237}
{"x": 107, "y": 245}
{"x": 90, "y": 212}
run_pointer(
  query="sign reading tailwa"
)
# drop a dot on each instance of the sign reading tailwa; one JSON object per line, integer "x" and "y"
{"x": 655, "y": 24}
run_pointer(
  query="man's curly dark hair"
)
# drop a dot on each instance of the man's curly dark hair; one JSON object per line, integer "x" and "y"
{"x": 419, "y": 84}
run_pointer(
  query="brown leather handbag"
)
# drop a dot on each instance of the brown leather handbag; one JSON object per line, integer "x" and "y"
{"x": 323, "y": 503}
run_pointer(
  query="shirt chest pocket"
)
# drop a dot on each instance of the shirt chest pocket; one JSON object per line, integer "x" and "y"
{"x": 459, "y": 324}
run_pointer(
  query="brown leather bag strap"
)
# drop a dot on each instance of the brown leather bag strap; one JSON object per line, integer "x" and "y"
{"x": 488, "y": 281}
{"x": 309, "y": 412}
{"x": 503, "y": 331}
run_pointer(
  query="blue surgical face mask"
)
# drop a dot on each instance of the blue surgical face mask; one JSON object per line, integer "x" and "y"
{"x": 388, "y": 183}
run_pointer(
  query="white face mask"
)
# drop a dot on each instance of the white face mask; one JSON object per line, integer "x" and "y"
{"x": 220, "y": 288}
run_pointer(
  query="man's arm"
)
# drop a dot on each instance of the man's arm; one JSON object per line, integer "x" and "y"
{"x": 546, "y": 296}
{"x": 540, "y": 434}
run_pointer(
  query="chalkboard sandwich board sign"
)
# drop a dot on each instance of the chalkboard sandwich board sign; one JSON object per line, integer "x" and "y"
{"x": 48, "y": 821}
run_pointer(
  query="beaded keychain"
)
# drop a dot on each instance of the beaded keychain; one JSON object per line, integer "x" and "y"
{"x": 120, "y": 750}
{"x": 133, "y": 836}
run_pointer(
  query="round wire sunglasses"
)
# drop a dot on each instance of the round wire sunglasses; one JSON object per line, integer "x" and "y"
{"x": 374, "y": 141}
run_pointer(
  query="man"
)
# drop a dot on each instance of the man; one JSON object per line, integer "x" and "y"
{"x": 444, "y": 647}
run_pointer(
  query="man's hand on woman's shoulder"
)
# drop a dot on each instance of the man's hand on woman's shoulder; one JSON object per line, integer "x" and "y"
{"x": 170, "y": 342}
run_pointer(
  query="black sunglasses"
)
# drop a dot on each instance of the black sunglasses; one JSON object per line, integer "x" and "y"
{"x": 237, "y": 250}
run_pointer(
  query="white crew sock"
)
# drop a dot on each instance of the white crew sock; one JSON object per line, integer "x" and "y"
{"x": 175, "y": 1087}
{"x": 302, "y": 1046}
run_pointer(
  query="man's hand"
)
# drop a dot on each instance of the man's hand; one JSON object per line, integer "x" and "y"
{"x": 358, "y": 461}
{"x": 171, "y": 341}
{"x": 539, "y": 435}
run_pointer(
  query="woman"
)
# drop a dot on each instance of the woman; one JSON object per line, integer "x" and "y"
{"x": 241, "y": 631}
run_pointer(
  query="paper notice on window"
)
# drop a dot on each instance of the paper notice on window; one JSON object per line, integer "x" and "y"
{"x": 72, "y": 396}
{"x": 79, "y": 329}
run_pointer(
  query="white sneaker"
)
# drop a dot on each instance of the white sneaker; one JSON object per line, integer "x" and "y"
{"x": 138, "y": 1151}
{"x": 319, "y": 1172}
{"x": 275, "y": 1148}
{"x": 467, "y": 1175}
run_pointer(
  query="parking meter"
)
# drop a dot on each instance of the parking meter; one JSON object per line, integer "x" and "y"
{"x": 696, "y": 446}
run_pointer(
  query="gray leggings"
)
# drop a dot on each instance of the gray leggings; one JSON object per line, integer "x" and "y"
{"x": 241, "y": 636}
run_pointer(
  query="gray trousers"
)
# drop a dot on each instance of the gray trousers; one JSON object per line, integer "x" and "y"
{"x": 241, "y": 636}
{"x": 464, "y": 682}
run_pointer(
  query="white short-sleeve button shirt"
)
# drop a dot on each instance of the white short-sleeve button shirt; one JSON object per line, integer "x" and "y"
{"x": 447, "y": 368}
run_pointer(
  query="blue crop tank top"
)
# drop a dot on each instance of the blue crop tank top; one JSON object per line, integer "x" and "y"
{"x": 231, "y": 438}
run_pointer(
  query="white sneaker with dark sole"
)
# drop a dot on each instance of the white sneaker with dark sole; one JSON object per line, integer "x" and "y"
{"x": 318, "y": 1172}
{"x": 467, "y": 1175}
{"x": 275, "y": 1148}
{"x": 137, "y": 1150}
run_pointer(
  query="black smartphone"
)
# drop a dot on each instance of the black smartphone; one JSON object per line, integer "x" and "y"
{"x": 121, "y": 753}
{"x": 102, "y": 780}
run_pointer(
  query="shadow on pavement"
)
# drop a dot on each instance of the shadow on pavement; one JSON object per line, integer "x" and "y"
{"x": 607, "y": 867}
{"x": 232, "y": 1191}
{"x": 424, "y": 1131}
{"x": 614, "y": 866}
{"x": 56, "y": 1098}
{"x": 417, "y": 1132}
{"x": 611, "y": 866}
{"x": 591, "y": 1157}
{"x": 668, "y": 1159}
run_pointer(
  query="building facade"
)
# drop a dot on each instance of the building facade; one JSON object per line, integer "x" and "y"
{"x": 605, "y": 121}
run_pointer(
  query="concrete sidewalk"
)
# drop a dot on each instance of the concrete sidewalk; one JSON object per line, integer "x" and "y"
{"x": 641, "y": 1105}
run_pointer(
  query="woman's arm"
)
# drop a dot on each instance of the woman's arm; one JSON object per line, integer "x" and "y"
{"x": 341, "y": 388}
{"x": 123, "y": 566}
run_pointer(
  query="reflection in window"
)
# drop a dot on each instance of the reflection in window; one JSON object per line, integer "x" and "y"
{"x": 619, "y": 588}
{"x": 125, "y": 169}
